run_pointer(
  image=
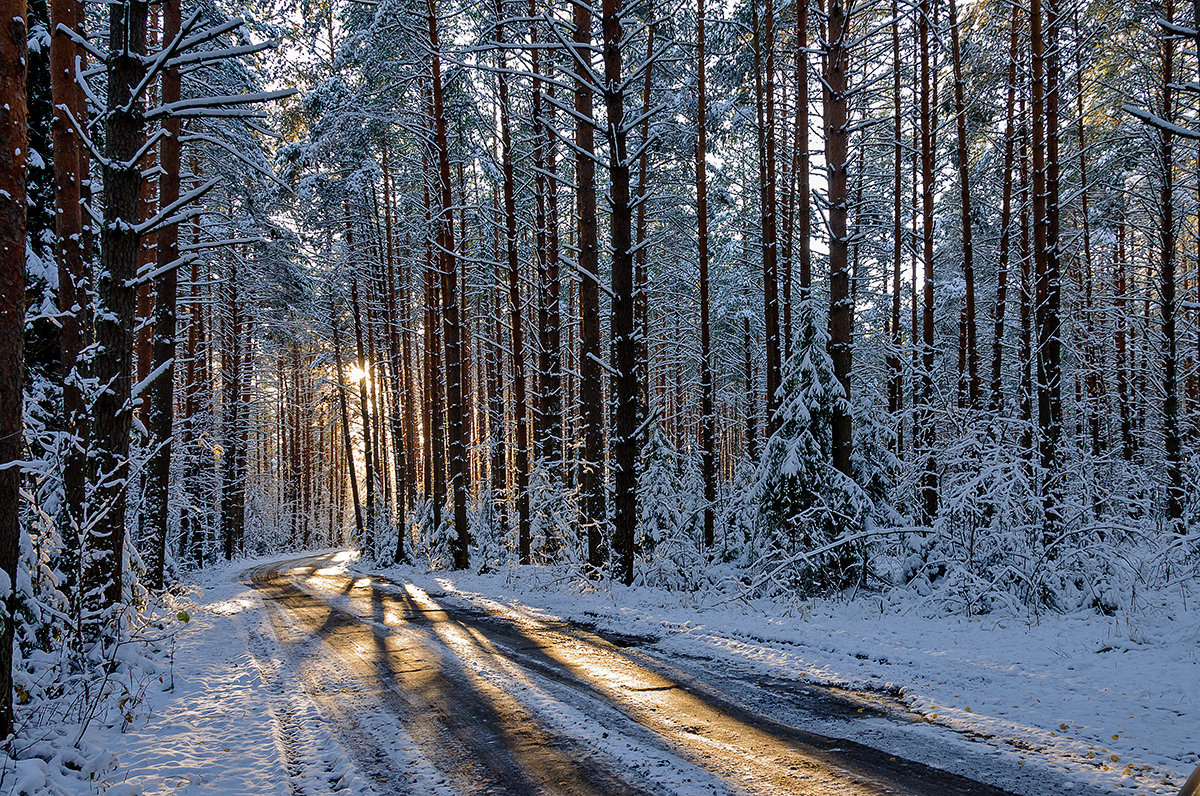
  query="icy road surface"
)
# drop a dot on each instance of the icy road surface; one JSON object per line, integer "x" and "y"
{"x": 429, "y": 697}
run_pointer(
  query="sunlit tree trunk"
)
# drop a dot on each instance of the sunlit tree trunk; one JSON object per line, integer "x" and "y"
{"x": 344, "y": 407}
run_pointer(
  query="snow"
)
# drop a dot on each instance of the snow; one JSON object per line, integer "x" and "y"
{"x": 1105, "y": 702}
{"x": 223, "y": 720}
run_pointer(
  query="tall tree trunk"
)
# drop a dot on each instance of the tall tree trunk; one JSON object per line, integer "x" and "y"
{"x": 398, "y": 369}
{"x": 641, "y": 306}
{"x": 841, "y": 305}
{"x": 748, "y": 387}
{"x": 549, "y": 399}
{"x": 495, "y": 384}
{"x": 158, "y": 473}
{"x": 116, "y": 296}
{"x": 1025, "y": 311}
{"x": 894, "y": 369}
{"x": 591, "y": 409}
{"x": 764, "y": 57}
{"x": 344, "y": 407}
{"x": 1046, "y": 260}
{"x": 13, "y": 139}
{"x": 551, "y": 328}
{"x": 231, "y": 404}
{"x": 625, "y": 392}
{"x": 1091, "y": 351}
{"x": 929, "y": 474}
{"x": 456, "y": 410}
{"x": 70, "y": 166}
{"x": 801, "y": 155}
{"x": 432, "y": 393}
{"x": 708, "y": 420}
{"x": 520, "y": 399}
{"x": 367, "y": 539}
{"x": 143, "y": 345}
{"x": 1122, "y": 335}
{"x": 1167, "y": 287}
{"x": 967, "y": 336}
{"x": 996, "y": 394}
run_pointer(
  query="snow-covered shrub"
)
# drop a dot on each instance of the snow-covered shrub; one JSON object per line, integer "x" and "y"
{"x": 805, "y": 504}
{"x": 669, "y": 506}
{"x": 552, "y": 540}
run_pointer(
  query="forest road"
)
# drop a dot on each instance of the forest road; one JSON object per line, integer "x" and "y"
{"x": 504, "y": 702}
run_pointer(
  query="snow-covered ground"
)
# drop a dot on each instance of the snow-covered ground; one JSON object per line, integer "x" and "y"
{"x": 1112, "y": 702}
{"x": 228, "y": 718}
{"x": 1107, "y": 702}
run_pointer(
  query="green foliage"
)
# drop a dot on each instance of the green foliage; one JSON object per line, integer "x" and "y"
{"x": 805, "y": 505}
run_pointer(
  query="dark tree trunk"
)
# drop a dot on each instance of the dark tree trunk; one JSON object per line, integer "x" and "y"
{"x": 158, "y": 472}
{"x": 996, "y": 396}
{"x": 764, "y": 57}
{"x": 116, "y": 296}
{"x": 591, "y": 410}
{"x": 708, "y": 420}
{"x": 841, "y": 304}
{"x": 520, "y": 399}
{"x": 895, "y": 372}
{"x": 496, "y": 412}
{"x": 397, "y": 370}
{"x": 1046, "y": 260}
{"x": 969, "y": 353}
{"x": 1122, "y": 336}
{"x": 624, "y": 337}
{"x": 456, "y": 410}
{"x": 748, "y": 388}
{"x": 552, "y": 392}
{"x": 1091, "y": 352}
{"x": 1167, "y": 289}
{"x": 926, "y": 422}
{"x": 1025, "y": 310}
{"x": 70, "y": 167}
{"x": 641, "y": 305}
{"x": 803, "y": 171}
{"x": 13, "y": 140}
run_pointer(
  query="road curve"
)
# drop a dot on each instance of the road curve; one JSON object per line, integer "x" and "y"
{"x": 513, "y": 704}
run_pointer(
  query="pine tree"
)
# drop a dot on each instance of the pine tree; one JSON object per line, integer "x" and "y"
{"x": 806, "y": 503}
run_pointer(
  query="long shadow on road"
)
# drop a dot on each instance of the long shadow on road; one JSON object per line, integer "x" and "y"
{"x": 482, "y": 742}
{"x": 484, "y": 697}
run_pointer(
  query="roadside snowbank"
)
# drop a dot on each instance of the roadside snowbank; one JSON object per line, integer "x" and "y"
{"x": 223, "y": 720}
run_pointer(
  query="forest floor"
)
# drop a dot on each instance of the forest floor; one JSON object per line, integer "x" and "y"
{"x": 314, "y": 676}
